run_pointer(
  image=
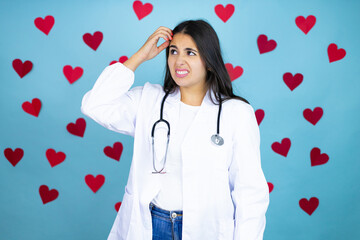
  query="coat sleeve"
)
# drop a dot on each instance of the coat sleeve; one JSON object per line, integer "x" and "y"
{"x": 249, "y": 189}
{"x": 110, "y": 102}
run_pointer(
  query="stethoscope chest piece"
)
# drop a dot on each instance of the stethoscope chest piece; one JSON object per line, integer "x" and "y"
{"x": 217, "y": 139}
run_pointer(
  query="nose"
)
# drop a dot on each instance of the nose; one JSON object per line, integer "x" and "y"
{"x": 180, "y": 59}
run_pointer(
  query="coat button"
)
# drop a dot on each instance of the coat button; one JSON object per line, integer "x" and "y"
{"x": 173, "y": 215}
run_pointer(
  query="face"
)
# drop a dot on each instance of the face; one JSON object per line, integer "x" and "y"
{"x": 186, "y": 66}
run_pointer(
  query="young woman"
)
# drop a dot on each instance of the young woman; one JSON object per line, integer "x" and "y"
{"x": 196, "y": 173}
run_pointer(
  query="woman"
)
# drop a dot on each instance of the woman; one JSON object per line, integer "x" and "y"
{"x": 208, "y": 183}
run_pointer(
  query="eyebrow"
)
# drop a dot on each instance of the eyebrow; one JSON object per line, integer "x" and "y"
{"x": 191, "y": 49}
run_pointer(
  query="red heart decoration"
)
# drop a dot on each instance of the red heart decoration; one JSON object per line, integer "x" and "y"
{"x": 32, "y": 108}
{"x": 309, "y": 206}
{"x": 313, "y": 116}
{"x": 334, "y": 53}
{"x": 259, "y": 114}
{"x": 271, "y": 186}
{"x": 77, "y": 128}
{"x": 45, "y": 25}
{"x": 122, "y": 59}
{"x": 115, "y": 151}
{"x": 317, "y": 158}
{"x": 47, "y": 195}
{"x": 283, "y": 147}
{"x": 94, "y": 183}
{"x": 234, "y": 73}
{"x": 224, "y": 13}
{"x": 13, "y": 156}
{"x": 55, "y": 158}
{"x": 142, "y": 10}
{"x": 72, "y": 74}
{"x": 305, "y": 25}
{"x": 117, "y": 206}
{"x": 292, "y": 81}
{"x": 94, "y": 40}
{"x": 22, "y": 68}
{"x": 264, "y": 45}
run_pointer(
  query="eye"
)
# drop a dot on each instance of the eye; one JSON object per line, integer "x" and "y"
{"x": 191, "y": 53}
{"x": 173, "y": 51}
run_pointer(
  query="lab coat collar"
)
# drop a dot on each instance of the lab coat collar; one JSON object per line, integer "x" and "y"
{"x": 175, "y": 97}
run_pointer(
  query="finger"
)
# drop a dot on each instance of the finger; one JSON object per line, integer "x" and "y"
{"x": 164, "y": 31}
{"x": 163, "y": 46}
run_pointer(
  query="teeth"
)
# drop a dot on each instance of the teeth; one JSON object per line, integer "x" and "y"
{"x": 181, "y": 72}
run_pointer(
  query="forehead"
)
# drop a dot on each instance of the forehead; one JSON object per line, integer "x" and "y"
{"x": 182, "y": 40}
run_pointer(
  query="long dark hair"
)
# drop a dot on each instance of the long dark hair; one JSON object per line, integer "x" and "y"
{"x": 207, "y": 42}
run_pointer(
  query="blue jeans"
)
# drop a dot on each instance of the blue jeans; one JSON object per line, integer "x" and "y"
{"x": 166, "y": 225}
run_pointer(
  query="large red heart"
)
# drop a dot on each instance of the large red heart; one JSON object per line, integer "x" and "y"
{"x": 309, "y": 206}
{"x": 115, "y": 151}
{"x": 55, "y": 158}
{"x": 305, "y": 24}
{"x": 234, "y": 73}
{"x": 283, "y": 147}
{"x": 45, "y": 25}
{"x": 259, "y": 114}
{"x": 22, "y": 68}
{"x": 334, "y": 53}
{"x": 224, "y": 13}
{"x": 292, "y": 81}
{"x": 313, "y": 116}
{"x": 72, "y": 74}
{"x": 117, "y": 206}
{"x": 47, "y": 195}
{"x": 77, "y": 128}
{"x": 93, "y": 41}
{"x": 122, "y": 59}
{"x": 14, "y": 156}
{"x": 271, "y": 186}
{"x": 264, "y": 45}
{"x": 32, "y": 108}
{"x": 317, "y": 158}
{"x": 94, "y": 183}
{"x": 142, "y": 10}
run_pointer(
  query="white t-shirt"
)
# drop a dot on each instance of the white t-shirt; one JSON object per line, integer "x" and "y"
{"x": 170, "y": 195}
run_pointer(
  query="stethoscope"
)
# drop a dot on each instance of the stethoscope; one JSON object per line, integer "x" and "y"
{"x": 216, "y": 138}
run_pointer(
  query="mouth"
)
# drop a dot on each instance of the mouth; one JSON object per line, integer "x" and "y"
{"x": 181, "y": 73}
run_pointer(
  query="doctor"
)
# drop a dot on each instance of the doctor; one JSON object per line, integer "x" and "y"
{"x": 201, "y": 177}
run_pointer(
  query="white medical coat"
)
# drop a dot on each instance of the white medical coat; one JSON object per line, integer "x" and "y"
{"x": 225, "y": 193}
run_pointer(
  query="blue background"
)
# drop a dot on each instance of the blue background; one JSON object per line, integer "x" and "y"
{"x": 78, "y": 213}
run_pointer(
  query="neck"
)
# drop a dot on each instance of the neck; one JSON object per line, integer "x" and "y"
{"x": 193, "y": 97}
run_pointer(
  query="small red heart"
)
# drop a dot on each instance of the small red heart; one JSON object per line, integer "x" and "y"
{"x": 122, "y": 59}
{"x": 115, "y": 151}
{"x": 117, "y": 206}
{"x": 309, "y": 206}
{"x": 72, "y": 74}
{"x": 55, "y": 158}
{"x": 47, "y": 195}
{"x": 13, "y": 156}
{"x": 334, "y": 53}
{"x": 142, "y": 10}
{"x": 45, "y": 25}
{"x": 307, "y": 24}
{"x": 292, "y": 81}
{"x": 317, "y": 158}
{"x": 32, "y": 108}
{"x": 78, "y": 128}
{"x": 94, "y": 40}
{"x": 264, "y": 45}
{"x": 283, "y": 147}
{"x": 22, "y": 68}
{"x": 313, "y": 116}
{"x": 224, "y": 13}
{"x": 234, "y": 73}
{"x": 94, "y": 183}
{"x": 271, "y": 186}
{"x": 259, "y": 114}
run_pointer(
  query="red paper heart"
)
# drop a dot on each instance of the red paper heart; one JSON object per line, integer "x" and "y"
{"x": 115, "y": 151}
{"x": 271, "y": 186}
{"x": 32, "y": 108}
{"x": 55, "y": 158}
{"x": 309, "y": 206}
{"x": 94, "y": 183}
{"x": 13, "y": 156}
{"x": 234, "y": 73}
{"x": 317, "y": 158}
{"x": 122, "y": 59}
{"x": 292, "y": 81}
{"x": 224, "y": 13}
{"x": 307, "y": 24}
{"x": 94, "y": 40}
{"x": 47, "y": 195}
{"x": 313, "y": 116}
{"x": 72, "y": 74}
{"x": 77, "y": 128}
{"x": 264, "y": 45}
{"x": 117, "y": 206}
{"x": 22, "y": 68}
{"x": 283, "y": 147}
{"x": 334, "y": 53}
{"x": 142, "y": 10}
{"x": 259, "y": 114}
{"x": 45, "y": 25}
